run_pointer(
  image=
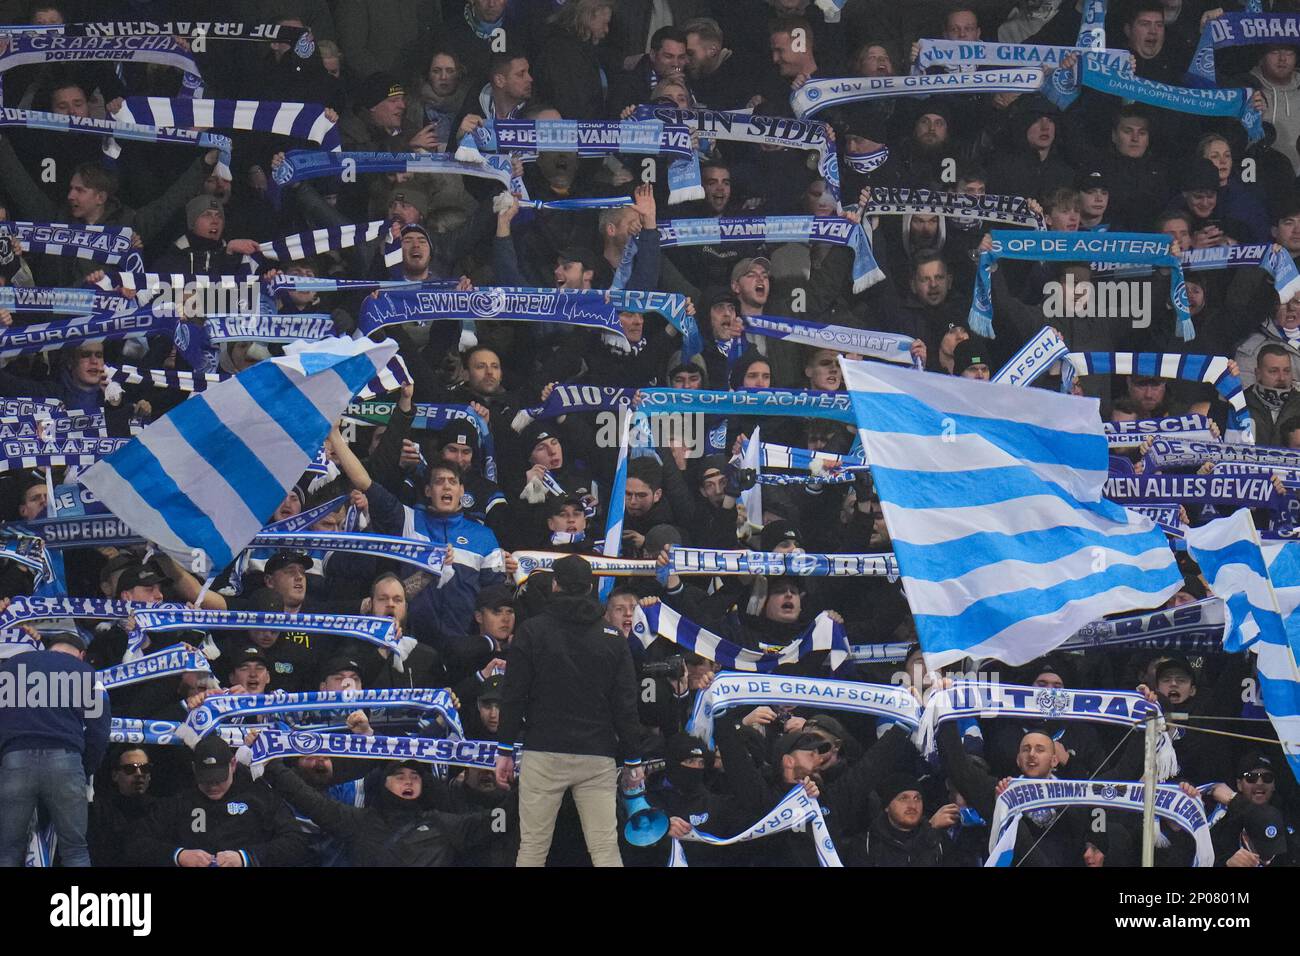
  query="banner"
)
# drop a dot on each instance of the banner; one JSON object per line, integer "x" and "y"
{"x": 300, "y": 165}
{"x": 32, "y": 48}
{"x": 530, "y": 561}
{"x": 1027, "y": 796}
{"x": 1034, "y": 358}
{"x": 152, "y": 319}
{"x": 27, "y": 453}
{"x": 1182, "y": 453}
{"x": 791, "y": 403}
{"x": 1239, "y": 29}
{"x": 776, "y": 229}
{"x": 736, "y": 690}
{"x": 793, "y": 811}
{"x": 715, "y": 561}
{"x": 169, "y": 662}
{"x": 585, "y": 137}
{"x": 1216, "y": 490}
{"x": 817, "y": 95}
{"x": 1136, "y": 432}
{"x": 1074, "y": 246}
{"x": 18, "y": 298}
{"x": 966, "y": 53}
{"x": 978, "y": 699}
{"x": 299, "y": 38}
{"x": 886, "y": 346}
{"x": 294, "y": 327}
{"x": 106, "y": 244}
{"x": 217, "y": 709}
{"x": 421, "y": 554}
{"x": 905, "y": 200}
{"x": 380, "y": 631}
{"x": 1097, "y": 73}
{"x": 659, "y": 620}
{"x": 498, "y": 304}
{"x": 277, "y": 744}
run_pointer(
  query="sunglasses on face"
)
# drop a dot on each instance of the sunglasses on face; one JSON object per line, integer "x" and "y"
{"x": 1258, "y": 776}
{"x": 131, "y": 769}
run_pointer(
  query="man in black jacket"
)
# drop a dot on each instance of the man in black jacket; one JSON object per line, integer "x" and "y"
{"x": 224, "y": 820}
{"x": 570, "y": 695}
{"x": 899, "y": 836}
{"x": 118, "y": 811}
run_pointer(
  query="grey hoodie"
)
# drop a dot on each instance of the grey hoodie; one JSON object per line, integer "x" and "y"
{"x": 1283, "y": 111}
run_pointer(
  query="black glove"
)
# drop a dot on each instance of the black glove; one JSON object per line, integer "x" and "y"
{"x": 739, "y": 479}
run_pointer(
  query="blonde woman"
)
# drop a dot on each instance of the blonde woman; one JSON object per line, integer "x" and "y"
{"x": 1238, "y": 199}
{"x": 574, "y": 70}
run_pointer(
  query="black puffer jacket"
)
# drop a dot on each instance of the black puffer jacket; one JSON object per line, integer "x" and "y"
{"x": 889, "y": 846}
{"x": 393, "y": 832}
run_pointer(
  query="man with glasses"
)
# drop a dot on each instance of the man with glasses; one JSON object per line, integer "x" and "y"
{"x": 1255, "y": 831}
{"x": 119, "y": 810}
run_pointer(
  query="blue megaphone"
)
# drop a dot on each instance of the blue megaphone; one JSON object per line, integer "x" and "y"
{"x": 646, "y": 825}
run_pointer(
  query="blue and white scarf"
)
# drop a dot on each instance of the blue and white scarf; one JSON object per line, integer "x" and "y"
{"x": 393, "y": 377}
{"x": 787, "y": 402}
{"x": 49, "y": 428}
{"x": 32, "y": 407}
{"x": 795, "y": 810}
{"x": 293, "y": 327}
{"x": 421, "y": 554}
{"x": 152, "y": 319}
{"x": 305, "y": 519}
{"x": 1239, "y": 29}
{"x": 1212, "y": 369}
{"x": 31, "y": 48}
{"x": 113, "y": 131}
{"x": 601, "y": 565}
{"x": 380, "y": 631}
{"x": 659, "y": 620}
{"x": 88, "y": 530}
{"x": 818, "y": 462}
{"x": 29, "y": 453}
{"x": 24, "y": 549}
{"x": 431, "y": 418}
{"x": 278, "y": 744}
{"x": 979, "y": 699}
{"x": 587, "y": 138}
{"x": 137, "y": 730}
{"x": 1197, "y": 627}
{"x": 905, "y": 200}
{"x": 301, "y": 165}
{"x": 1277, "y": 262}
{"x": 580, "y": 309}
{"x": 299, "y": 38}
{"x": 18, "y": 298}
{"x": 1074, "y": 246}
{"x": 202, "y": 720}
{"x": 575, "y": 399}
{"x": 23, "y": 610}
{"x": 313, "y": 242}
{"x": 1025, "y": 796}
{"x": 107, "y": 244}
{"x": 298, "y": 120}
{"x": 715, "y": 561}
{"x": 1136, "y": 432}
{"x": 1216, "y": 490}
{"x": 1034, "y": 358}
{"x": 1182, "y": 452}
{"x": 777, "y": 229}
{"x": 1095, "y": 72}
{"x": 867, "y": 162}
{"x": 170, "y": 661}
{"x": 965, "y": 53}
{"x": 895, "y": 704}
{"x": 886, "y": 346}
{"x": 283, "y": 282}
{"x": 739, "y": 127}
{"x": 817, "y": 95}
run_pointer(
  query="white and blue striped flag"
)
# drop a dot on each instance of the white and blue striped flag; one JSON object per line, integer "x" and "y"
{"x": 1261, "y": 587}
{"x": 205, "y": 478}
{"x": 1004, "y": 543}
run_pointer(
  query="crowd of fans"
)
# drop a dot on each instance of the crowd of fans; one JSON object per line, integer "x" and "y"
{"x": 419, "y": 75}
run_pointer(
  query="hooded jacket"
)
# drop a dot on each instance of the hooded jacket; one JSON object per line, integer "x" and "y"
{"x": 570, "y": 687}
{"x": 1282, "y": 109}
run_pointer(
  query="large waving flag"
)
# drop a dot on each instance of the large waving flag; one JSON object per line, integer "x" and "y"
{"x": 993, "y": 501}
{"x": 204, "y": 478}
{"x": 1261, "y": 587}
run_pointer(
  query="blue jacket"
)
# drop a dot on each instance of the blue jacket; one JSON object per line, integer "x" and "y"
{"x": 440, "y": 613}
{"x": 80, "y": 729}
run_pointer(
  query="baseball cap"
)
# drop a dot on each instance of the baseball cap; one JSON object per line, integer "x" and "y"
{"x": 250, "y": 653}
{"x": 211, "y": 757}
{"x": 1094, "y": 179}
{"x": 1253, "y": 760}
{"x": 796, "y": 740}
{"x": 716, "y": 294}
{"x": 338, "y": 664}
{"x": 141, "y": 575}
{"x": 491, "y": 689}
{"x": 556, "y": 505}
{"x": 1175, "y": 665}
{"x": 744, "y": 265}
{"x": 282, "y": 559}
{"x": 573, "y": 574}
{"x": 1267, "y": 830}
{"x": 378, "y": 87}
{"x": 495, "y": 597}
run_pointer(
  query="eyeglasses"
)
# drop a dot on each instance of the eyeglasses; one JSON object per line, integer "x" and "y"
{"x": 131, "y": 769}
{"x": 1258, "y": 776}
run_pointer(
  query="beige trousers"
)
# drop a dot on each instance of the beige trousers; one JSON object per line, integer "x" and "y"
{"x": 543, "y": 780}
